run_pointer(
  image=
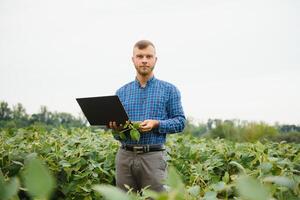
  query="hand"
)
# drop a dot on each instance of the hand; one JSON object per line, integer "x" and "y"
{"x": 148, "y": 125}
{"x": 114, "y": 126}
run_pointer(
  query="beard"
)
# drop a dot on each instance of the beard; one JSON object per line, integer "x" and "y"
{"x": 144, "y": 70}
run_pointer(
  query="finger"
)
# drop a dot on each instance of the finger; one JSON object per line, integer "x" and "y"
{"x": 142, "y": 127}
{"x": 115, "y": 125}
{"x": 145, "y": 128}
{"x": 110, "y": 125}
{"x": 142, "y": 130}
{"x": 143, "y": 123}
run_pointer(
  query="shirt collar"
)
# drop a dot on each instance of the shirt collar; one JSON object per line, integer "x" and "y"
{"x": 149, "y": 82}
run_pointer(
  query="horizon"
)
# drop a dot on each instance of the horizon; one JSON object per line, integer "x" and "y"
{"x": 192, "y": 120}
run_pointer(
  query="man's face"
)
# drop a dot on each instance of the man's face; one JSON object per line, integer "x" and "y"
{"x": 144, "y": 60}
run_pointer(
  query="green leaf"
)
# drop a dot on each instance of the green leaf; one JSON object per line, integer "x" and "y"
{"x": 164, "y": 196}
{"x": 210, "y": 195}
{"x": 135, "y": 134}
{"x": 110, "y": 192}
{"x": 37, "y": 179}
{"x": 18, "y": 163}
{"x": 251, "y": 189}
{"x": 174, "y": 180}
{"x": 266, "y": 167}
{"x": 136, "y": 125}
{"x": 2, "y": 184}
{"x": 280, "y": 180}
{"x": 115, "y": 132}
{"x": 122, "y": 136}
{"x": 150, "y": 193}
{"x": 10, "y": 189}
{"x": 226, "y": 177}
{"x": 239, "y": 166}
{"x": 64, "y": 163}
{"x": 219, "y": 186}
{"x": 126, "y": 124}
{"x": 194, "y": 191}
{"x": 29, "y": 157}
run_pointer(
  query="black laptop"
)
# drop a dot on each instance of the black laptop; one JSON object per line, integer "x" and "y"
{"x": 101, "y": 110}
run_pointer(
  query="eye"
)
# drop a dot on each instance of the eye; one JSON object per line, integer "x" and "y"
{"x": 139, "y": 56}
{"x": 149, "y": 56}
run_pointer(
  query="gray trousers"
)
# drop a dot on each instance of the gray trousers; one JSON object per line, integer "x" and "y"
{"x": 141, "y": 170}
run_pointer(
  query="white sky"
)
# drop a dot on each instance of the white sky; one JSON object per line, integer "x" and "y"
{"x": 229, "y": 58}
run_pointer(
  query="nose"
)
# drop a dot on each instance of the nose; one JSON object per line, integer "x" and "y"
{"x": 144, "y": 61}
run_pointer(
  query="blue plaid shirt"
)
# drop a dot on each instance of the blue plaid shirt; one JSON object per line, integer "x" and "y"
{"x": 158, "y": 100}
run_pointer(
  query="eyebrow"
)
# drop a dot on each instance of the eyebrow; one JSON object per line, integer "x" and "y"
{"x": 144, "y": 55}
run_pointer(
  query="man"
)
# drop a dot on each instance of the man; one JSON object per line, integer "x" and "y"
{"x": 157, "y": 105}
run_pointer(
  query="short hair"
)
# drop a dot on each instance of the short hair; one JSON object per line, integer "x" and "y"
{"x": 143, "y": 44}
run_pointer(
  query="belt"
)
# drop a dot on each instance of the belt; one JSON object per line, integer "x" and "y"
{"x": 143, "y": 148}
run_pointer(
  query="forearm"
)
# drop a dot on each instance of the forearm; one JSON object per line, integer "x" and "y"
{"x": 173, "y": 125}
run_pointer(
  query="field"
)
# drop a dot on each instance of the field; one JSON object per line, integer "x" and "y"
{"x": 78, "y": 163}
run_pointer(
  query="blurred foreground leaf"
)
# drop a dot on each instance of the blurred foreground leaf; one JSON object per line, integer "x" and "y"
{"x": 8, "y": 189}
{"x": 174, "y": 180}
{"x": 38, "y": 180}
{"x": 110, "y": 192}
{"x": 252, "y": 189}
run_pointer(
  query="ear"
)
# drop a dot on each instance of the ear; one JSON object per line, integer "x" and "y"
{"x": 132, "y": 58}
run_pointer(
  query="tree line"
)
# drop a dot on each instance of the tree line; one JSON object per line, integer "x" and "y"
{"x": 17, "y": 117}
{"x": 244, "y": 131}
{"x": 235, "y": 130}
